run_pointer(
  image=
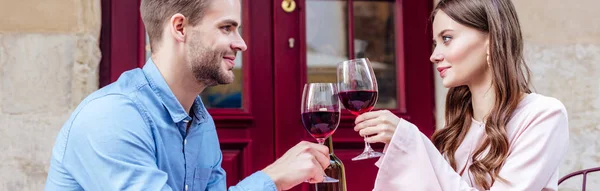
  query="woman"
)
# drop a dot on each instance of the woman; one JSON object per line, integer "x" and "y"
{"x": 498, "y": 135}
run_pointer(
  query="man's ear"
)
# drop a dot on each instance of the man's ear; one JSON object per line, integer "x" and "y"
{"x": 176, "y": 27}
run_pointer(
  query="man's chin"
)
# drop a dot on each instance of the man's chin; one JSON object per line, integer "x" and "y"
{"x": 226, "y": 80}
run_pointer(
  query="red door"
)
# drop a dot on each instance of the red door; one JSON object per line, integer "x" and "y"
{"x": 310, "y": 40}
{"x": 258, "y": 116}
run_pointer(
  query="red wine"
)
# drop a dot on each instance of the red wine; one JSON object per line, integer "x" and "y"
{"x": 358, "y": 102}
{"x": 321, "y": 124}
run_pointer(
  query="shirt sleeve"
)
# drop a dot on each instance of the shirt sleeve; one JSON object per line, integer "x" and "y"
{"x": 110, "y": 147}
{"x": 413, "y": 163}
{"x": 257, "y": 181}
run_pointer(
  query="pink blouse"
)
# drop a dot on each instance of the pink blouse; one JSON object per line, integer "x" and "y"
{"x": 538, "y": 136}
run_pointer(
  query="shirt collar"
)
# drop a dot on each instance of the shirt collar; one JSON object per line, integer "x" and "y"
{"x": 161, "y": 89}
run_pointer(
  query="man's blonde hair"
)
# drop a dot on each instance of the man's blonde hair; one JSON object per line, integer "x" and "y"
{"x": 155, "y": 13}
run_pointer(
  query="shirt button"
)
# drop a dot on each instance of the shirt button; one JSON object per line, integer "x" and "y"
{"x": 186, "y": 121}
{"x": 186, "y": 187}
{"x": 185, "y": 141}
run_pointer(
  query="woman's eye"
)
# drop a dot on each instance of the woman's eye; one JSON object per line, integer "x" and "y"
{"x": 446, "y": 39}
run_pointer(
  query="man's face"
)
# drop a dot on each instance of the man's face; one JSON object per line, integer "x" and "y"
{"x": 213, "y": 43}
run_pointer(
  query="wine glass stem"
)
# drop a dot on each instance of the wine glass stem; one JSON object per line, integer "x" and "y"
{"x": 367, "y": 145}
{"x": 321, "y": 141}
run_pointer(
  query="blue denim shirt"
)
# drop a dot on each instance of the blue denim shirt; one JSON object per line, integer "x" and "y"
{"x": 131, "y": 135}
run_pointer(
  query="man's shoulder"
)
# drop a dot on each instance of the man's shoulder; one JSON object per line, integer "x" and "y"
{"x": 129, "y": 82}
{"x": 101, "y": 118}
{"x": 109, "y": 117}
{"x": 114, "y": 106}
{"x": 118, "y": 98}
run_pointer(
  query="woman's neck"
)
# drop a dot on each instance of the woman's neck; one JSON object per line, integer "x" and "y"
{"x": 483, "y": 96}
{"x": 482, "y": 99}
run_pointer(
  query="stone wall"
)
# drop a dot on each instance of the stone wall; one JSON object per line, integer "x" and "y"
{"x": 562, "y": 49}
{"x": 49, "y": 57}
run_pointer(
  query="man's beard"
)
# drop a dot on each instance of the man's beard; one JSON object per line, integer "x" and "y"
{"x": 206, "y": 65}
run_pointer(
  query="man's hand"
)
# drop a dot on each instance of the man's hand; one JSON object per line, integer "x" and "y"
{"x": 305, "y": 161}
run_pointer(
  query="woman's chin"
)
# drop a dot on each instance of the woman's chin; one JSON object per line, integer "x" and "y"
{"x": 447, "y": 83}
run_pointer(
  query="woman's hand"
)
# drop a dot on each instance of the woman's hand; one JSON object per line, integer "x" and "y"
{"x": 379, "y": 125}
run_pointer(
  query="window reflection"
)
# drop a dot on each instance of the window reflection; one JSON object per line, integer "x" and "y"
{"x": 327, "y": 42}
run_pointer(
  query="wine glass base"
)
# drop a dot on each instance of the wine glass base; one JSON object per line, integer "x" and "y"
{"x": 367, "y": 155}
{"x": 327, "y": 179}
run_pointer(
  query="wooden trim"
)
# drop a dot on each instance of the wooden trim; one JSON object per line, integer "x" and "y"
{"x": 142, "y": 42}
{"x": 260, "y": 63}
{"x": 418, "y": 82}
{"x": 119, "y": 39}
{"x": 301, "y": 43}
{"x": 350, "y": 30}
{"x": 400, "y": 58}
{"x": 105, "y": 45}
{"x": 247, "y": 57}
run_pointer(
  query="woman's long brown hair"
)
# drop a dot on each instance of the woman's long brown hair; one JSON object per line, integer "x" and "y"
{"x": 510, "y": 78}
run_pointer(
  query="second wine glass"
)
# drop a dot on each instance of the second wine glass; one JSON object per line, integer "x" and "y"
{"x": 358, "y": 93}
{"x": 321, "y": 112}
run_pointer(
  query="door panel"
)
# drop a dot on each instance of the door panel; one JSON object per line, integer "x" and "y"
{"x": 327, "y": 32}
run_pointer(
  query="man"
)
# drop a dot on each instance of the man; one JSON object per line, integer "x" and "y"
{"x": 150, "y": 131}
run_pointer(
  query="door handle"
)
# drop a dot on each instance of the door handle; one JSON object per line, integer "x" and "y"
{"x": 291, "y": 42}
{"x": 288, "y": 5}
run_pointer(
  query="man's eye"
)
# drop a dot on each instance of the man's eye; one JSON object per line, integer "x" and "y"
{"x": 226, "y": 28}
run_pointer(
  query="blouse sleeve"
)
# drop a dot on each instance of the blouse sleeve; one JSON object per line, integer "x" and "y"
{"x": 411, "y": 161}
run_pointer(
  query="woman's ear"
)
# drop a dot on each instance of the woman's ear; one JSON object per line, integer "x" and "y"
{"x": 487, "y": 51}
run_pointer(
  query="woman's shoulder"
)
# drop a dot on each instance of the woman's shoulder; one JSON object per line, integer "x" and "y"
{"x": 535, "y": 107}
{"x": 538, "y": 103}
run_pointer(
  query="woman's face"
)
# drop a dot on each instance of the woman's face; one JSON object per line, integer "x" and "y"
{"x": 460, "y": 52}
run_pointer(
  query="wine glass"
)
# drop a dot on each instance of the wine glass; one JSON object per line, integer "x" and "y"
{"x": 357, "y": 89}
{"x": 321, "y": 112}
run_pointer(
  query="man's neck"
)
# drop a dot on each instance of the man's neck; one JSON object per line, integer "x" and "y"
{"x": 180, "y": 79}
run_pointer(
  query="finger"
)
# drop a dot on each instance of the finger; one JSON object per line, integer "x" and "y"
{"x": 367, "y": 123}
{"x": 318, "y": 175}
{"x": 372, "y": 130}
{"x": 322, "y": 159}
{"x": 319, "y": 148}
{"x": 298, "y": 148}
{"x": 367, "y": 116}
{"x": 379, "y": 138}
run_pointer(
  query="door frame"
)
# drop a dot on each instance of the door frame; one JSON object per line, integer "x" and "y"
{"x": 414, "y": 72}
{"x": 414, "y": 77}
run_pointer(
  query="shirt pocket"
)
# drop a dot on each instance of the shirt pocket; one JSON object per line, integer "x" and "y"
{"x": 201, "y": 177}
